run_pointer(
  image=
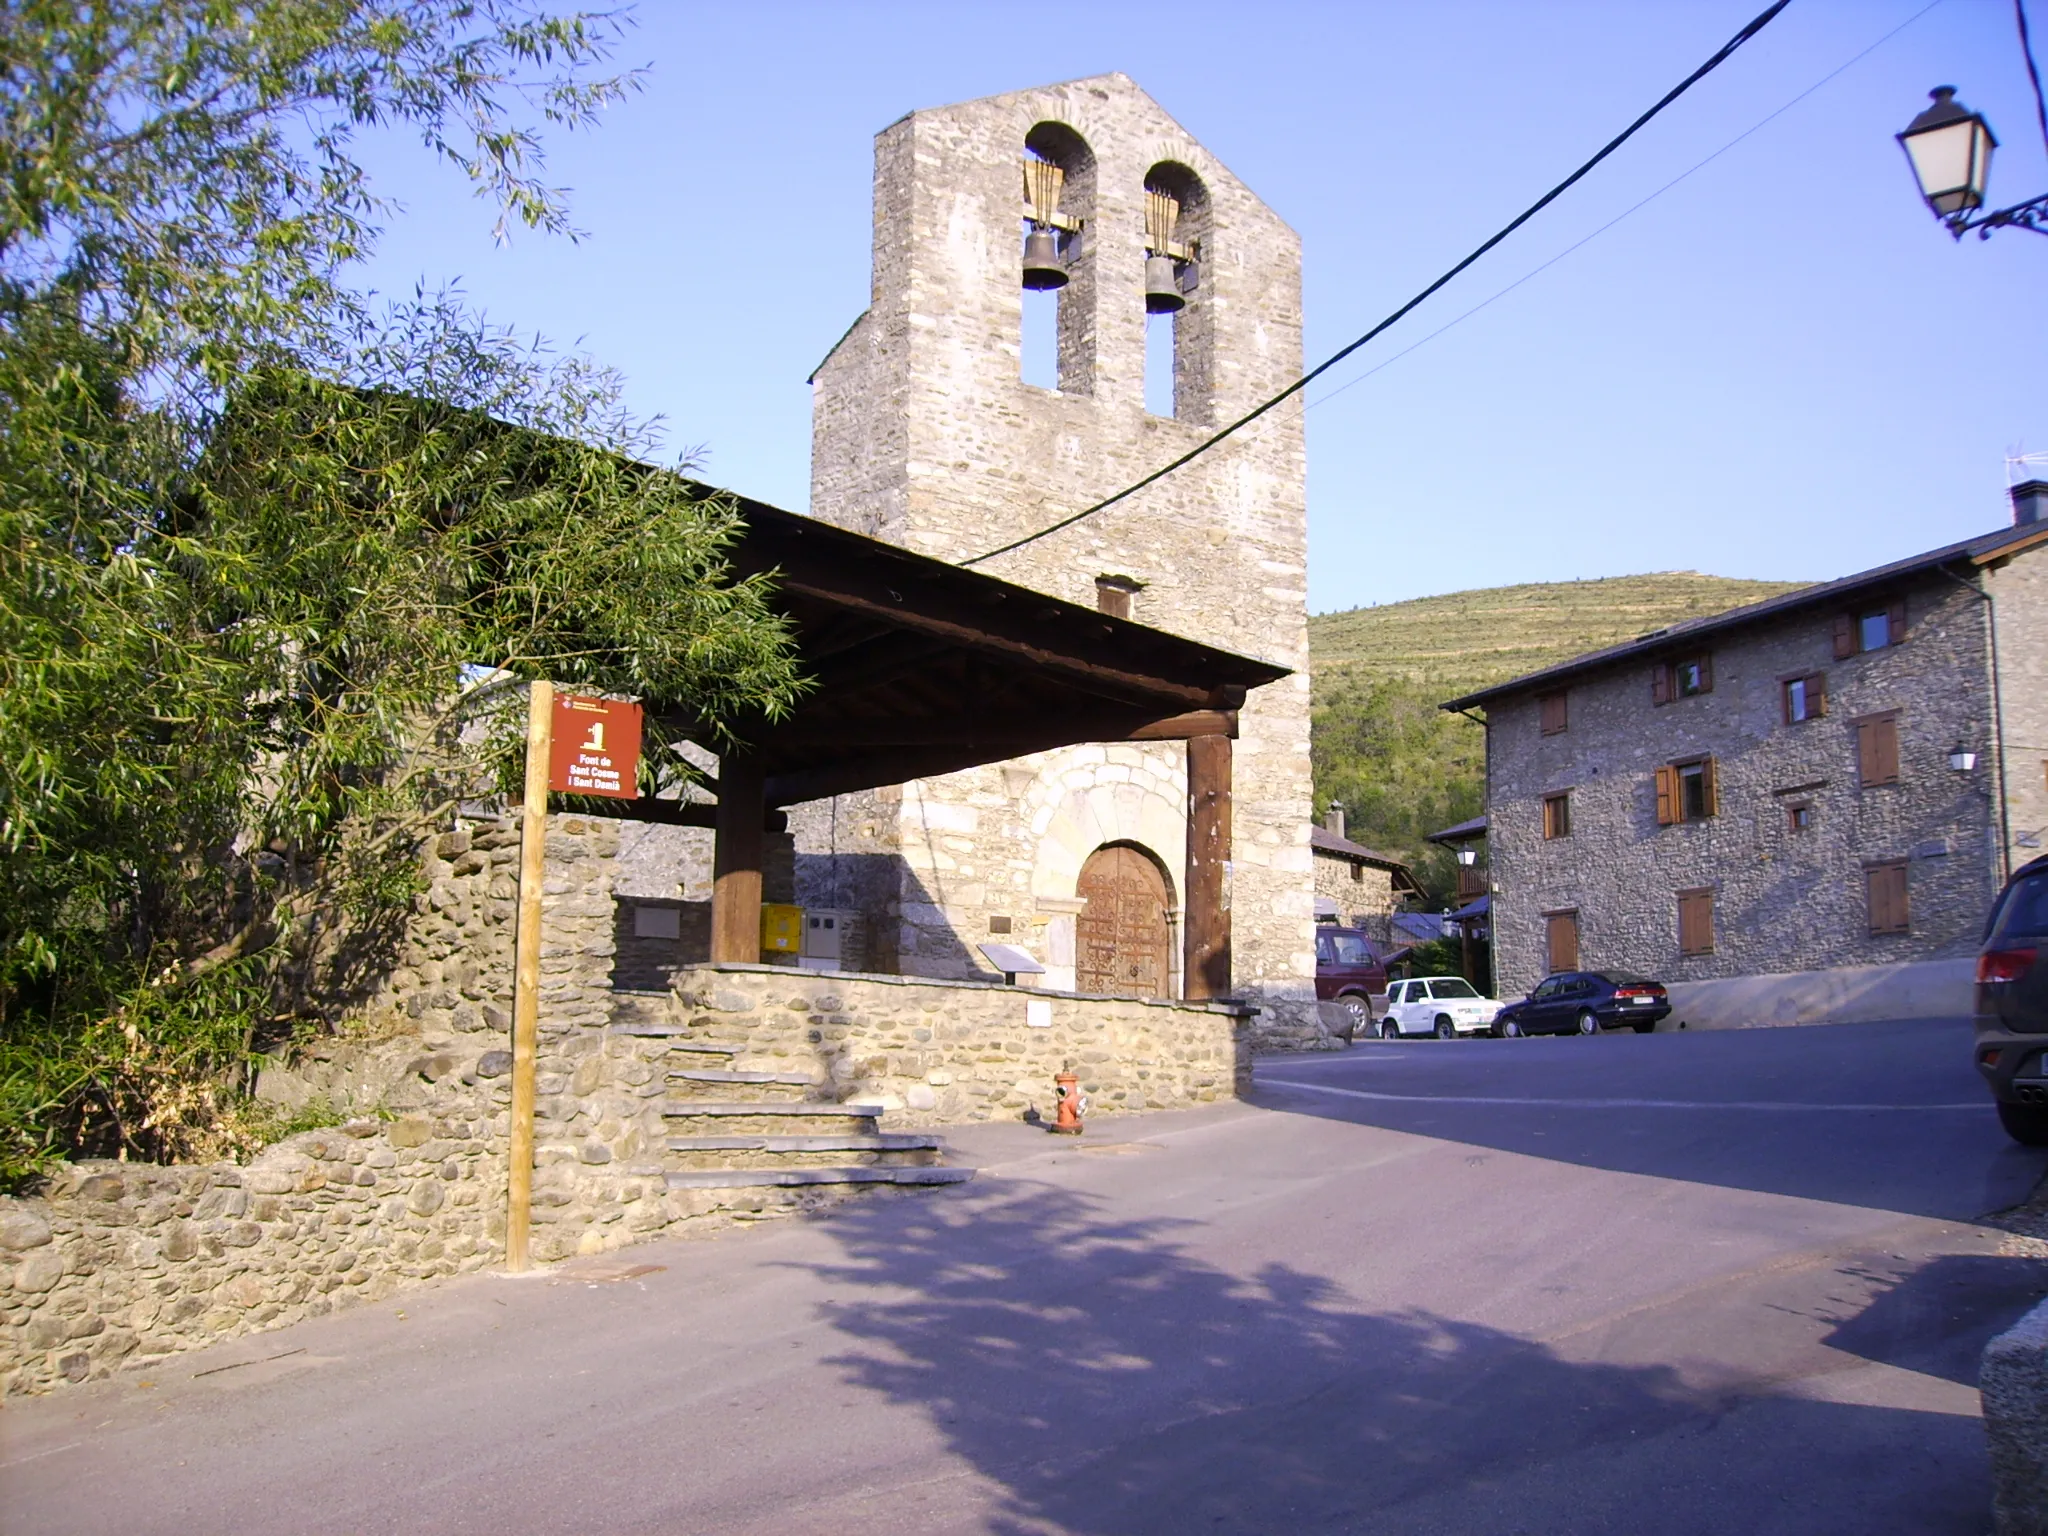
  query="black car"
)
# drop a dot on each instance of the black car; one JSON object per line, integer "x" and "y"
{"x": 2012, "y": 1004}
{"x": 1584, "y": 1003}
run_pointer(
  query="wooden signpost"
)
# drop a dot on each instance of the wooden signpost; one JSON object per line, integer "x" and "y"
{"x": 574, "y": 746}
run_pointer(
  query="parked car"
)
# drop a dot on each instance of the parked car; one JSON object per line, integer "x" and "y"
{"x": 2012, "y": 1004}
{"x": 1584, "y": 1003}
{"x": 1349, "y": 971}
{"x": 1444, "y": 1006}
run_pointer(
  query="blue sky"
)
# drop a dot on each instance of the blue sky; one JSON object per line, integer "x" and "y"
{"x": 1781, "y": 367}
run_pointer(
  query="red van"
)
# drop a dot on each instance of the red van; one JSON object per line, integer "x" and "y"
{"x": 1349, "y": 972}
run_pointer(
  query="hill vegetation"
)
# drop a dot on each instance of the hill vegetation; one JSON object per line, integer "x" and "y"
{"x": 1401, "y": 766}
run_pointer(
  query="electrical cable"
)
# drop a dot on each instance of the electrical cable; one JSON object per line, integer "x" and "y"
{"x": 2033, "y": 74}
{"x": 1720, "y": 57}
{"x": 1753, "y": 129}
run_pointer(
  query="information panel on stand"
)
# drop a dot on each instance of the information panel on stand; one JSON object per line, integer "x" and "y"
{"x": 596, "y": 748}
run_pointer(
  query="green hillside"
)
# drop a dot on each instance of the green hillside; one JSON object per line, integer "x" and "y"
{"x": 1402, "y": 767}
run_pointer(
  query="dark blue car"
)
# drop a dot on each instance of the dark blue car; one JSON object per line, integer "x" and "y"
{"x": 1584, "y": 1003}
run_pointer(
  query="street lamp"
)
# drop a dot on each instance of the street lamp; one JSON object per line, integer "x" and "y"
{"x": 1961, "y": 758}
{"x": 1468, "y": 857}
{"x": 1949, "y": 148}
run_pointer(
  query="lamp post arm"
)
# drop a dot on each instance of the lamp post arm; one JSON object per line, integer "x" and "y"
{"x": 2029, "y": 215}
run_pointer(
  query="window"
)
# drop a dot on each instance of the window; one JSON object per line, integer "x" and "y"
{"x": 1561, "y": 940}
{"x": 1884, "y": 887}
{"x": 1557, "y": 815}
{"x": 1806, "y": 698}
{"x": 1687, "y": 792}
{"x": 1451, "y": 990}
{"x": 1799, "y": 817}
{"x": 1870, "y": 629}
{"x": 1350, "y": 949}
{"x": 1877, "y": 750}
{"x": 1696, "y": 922}
{"x": 1554, "y": 717}
{"x": 1681, "y": 679}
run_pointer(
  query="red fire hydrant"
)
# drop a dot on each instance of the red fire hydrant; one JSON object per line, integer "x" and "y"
{"x": 1070, "y": 1104}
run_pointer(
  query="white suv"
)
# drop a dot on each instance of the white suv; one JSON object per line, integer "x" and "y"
{"x": 1444, "y": 1006}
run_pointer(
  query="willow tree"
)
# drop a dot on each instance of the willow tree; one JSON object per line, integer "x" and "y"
{"x": 258, "y": 542}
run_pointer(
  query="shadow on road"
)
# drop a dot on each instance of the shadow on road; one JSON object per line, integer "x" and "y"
{"x": 1107, "y": 1381}
{"x": 1784, "y": 1112}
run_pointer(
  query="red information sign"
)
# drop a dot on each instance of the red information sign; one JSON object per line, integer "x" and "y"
{"x": 596, "y": 748}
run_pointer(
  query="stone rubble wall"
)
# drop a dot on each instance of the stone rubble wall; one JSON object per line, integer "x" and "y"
{"x": 114, "y": 1266}
{"x": 122, "y": 1264}
{"x": 939, "y": 1053}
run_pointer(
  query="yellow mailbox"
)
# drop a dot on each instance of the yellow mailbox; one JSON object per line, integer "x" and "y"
{"x": 782, "y": 928}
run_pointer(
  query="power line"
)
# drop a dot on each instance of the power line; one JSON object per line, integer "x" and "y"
{"x": 1633, "y": 208}
{"x": 2033, "y": 74}
{"x": 1720, "y": 57}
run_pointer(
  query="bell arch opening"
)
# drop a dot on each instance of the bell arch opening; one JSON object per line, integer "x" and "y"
{"x": 1124, "y": 934}
{"x": 1179, "y": 329}
{"x": 1056, "y": 345}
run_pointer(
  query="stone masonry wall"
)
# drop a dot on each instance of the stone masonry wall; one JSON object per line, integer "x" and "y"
{"x": 925, "y": 434}
{"x": 1785, "y": 901}
{"x": 2019, "y": 589}
{"x": 114, "y": 1265}
{"x": 938, "y": 1053}
{"x": 1359, "y": 890}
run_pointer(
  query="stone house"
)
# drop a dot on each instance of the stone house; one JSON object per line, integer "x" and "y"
{"x": 927, "y": 434}
{"x": 1354, "y": 884}
{"x": 1837, "y": 777}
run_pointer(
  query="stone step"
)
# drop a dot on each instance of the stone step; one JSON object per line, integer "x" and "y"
{"x": 883, "y": 1141}
{"x": 719, "y": 1075}
{"x": 769, "y": 1152}
{"x": 751, "y": 1178}
{"x": 774, "y": 1113}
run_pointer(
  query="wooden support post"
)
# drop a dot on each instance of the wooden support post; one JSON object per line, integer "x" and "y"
{"x": 1205, "y": 969}
{"x": 736, "y": 862}
{"x": 533, "y": 843}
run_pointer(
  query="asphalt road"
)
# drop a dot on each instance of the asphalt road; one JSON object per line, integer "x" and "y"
{"x": 1669, "y": 1283}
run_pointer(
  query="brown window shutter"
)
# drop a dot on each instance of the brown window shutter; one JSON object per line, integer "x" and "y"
{"x": 1817, "y": 694}
{"x": 1710, "y": 789}
{"x": 1877, "y": 751}
{"x": 1696, "y": 922}
{"x": 1661, "y": 683}
{"x": 1706, "y": 671}
{"x": 1895, "y": 622}
{"x": 1667, "y": 796}
{"x": 1785, "y": 701}
{"x": 1845, "y": 636}
{"x": 1554, "y": 717}
{"x": 1886, "y": 886}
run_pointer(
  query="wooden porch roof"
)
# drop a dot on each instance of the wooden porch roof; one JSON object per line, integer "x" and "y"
{"x": 924, "y": 668}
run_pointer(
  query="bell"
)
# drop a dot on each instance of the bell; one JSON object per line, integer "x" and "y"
{"x": 1043, "y": 269}
{"x": 1162, "y": 293}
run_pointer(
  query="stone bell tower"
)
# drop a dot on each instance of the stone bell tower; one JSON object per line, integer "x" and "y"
{"x": 926, "y": 434}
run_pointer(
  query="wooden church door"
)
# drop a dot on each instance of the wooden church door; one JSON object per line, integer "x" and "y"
{"x": 1122, "y": 936}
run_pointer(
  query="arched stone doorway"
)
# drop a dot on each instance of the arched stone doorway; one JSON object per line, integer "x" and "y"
{"x": 1123, "y": 936}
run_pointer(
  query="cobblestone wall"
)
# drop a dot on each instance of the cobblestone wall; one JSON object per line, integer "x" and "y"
{"x": 1359, "y": 890}
{"x": 114, "y": 1265}
{"x": 939, "y": 1053}
{"x": 1785, "y": 900}
{"x": 2019, "y": 588}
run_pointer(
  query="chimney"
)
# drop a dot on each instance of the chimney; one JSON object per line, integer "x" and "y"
{"x": 2029, "y": 502}
{"x": 1113, "y": 595}
{"x": 1333, "y": 819}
